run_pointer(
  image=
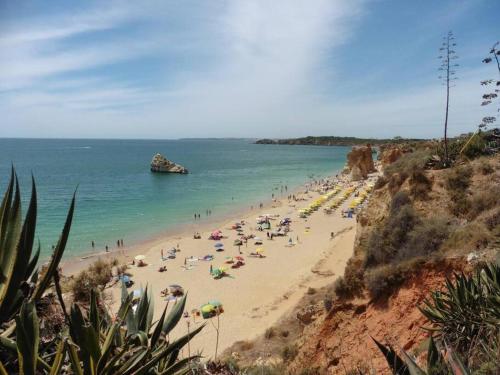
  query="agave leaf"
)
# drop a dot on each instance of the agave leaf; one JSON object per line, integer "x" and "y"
{"x": 158, "y": 328}
{"x": 129, "y": 366}
{"x": 107, "y": 346}
{"x": 9, "y": 252}
{"x": 4, "y": 215}
{"x": 3, "y": 371}
{"x": 180, "y": 343}
{"x": 456, "y": 364}
{"x": 57, "y": 254}
{"x": 180, "y": 365}
{"x": 94, "y": 312}
{"x": 27, "y": 337}
{"x": 174, "y": 316}
{"x": 412, "y": 366}
{"x": 124, "y": 307}
{"x": 58, "y": 359}
{"x": 110, "y": 364}
{"x": 396, "y": 364}
{"x": 13, "y": 296}
{"x": 33, "y": 263}
{"x": 74, "y": 359}
{"x": 433, "y": 356}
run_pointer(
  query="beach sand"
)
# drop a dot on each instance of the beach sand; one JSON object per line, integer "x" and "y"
{"x": 257, "y": 294}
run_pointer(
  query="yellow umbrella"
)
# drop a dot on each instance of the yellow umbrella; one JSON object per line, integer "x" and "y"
{"x": 259, "y": 250}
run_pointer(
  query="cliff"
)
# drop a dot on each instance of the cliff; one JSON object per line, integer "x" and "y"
{"x": 420, "y": 227}
{"x": 360, "y": 162}
{"x": 332, "y": 141}
{"x": 161, "y": 164}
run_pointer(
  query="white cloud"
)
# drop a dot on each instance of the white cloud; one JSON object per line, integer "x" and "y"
{"x": 239, "y": 68}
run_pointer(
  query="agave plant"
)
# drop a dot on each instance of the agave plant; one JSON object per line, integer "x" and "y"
{"x": 467, "y": 313}
{"x": 19, "y": 277}
{"x": 125, "y": 344}
{"x": 18, "y": 268}
{"x": 437, "y": 364}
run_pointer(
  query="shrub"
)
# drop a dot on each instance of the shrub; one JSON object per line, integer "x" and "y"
{"x": 384, "y": 280}
{"x": 485, "y": 167}
{"x": 289, "y": 353}
{"x": 270, "y": 333}
{"x": 484, "y": 201}
{"x": 400, "y": 199}
{"x": 385, "y": 241}
{"x": 457, "y": 182}
{"x": 420, "y": 185}
{"x": 471, "y": 236}
{"x": 395, "y": 182}
{"x": 460, "y": 205}
{"x": 351, "y": 284}
{"x": 96, "y": 276}
{"x": 380, "y": 183}
{"x": 492, "y": 221}
{"x": 458, "y": 179}
{"x": 327, "y": 303}
{"x": 425, "y": 238}
{"x": 405, "y": 165}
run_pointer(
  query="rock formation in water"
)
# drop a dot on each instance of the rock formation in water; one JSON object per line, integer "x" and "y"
{"x": 161, "y": 164}
{"x": 360, "y": 162}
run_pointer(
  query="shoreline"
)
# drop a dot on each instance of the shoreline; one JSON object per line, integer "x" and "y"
{"x": 259, "y": 293}
{"x": 76, "y": 263}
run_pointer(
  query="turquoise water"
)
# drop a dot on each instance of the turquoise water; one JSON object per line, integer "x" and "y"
{"x": 118, "y": 197}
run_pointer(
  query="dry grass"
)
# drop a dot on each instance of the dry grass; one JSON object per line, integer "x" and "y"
{"x": 472, "y": 236}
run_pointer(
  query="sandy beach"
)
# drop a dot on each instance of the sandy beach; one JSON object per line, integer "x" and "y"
{"x": 255, "y": 295}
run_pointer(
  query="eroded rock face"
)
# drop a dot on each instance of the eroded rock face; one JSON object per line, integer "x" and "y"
{"x": 390, "y": 155}
{"x": 161, "y": 164}
{"x": 360, "y": 162}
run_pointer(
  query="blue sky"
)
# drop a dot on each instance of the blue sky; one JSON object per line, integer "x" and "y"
{"x": 171, "y": 69}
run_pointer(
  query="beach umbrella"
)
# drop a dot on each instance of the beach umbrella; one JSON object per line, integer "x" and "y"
{"x": 239, "y": 258}
{"x": 259, "y": 250}
{"x": 216, "y": 304}
{"x": 140, "y": 257}
{"x": 219, "y": 244}
{"x": 207, "y": 311}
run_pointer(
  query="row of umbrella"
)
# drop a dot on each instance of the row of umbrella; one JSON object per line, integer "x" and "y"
{"x": 341, "y": 198}
{"x": 361, "y": 197}
{"x": 317, "y": 203}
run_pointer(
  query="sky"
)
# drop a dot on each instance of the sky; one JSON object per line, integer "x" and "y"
{"x": 254, "y": 68}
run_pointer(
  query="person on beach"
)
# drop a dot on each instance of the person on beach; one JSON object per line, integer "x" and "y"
{"x": 332, "y": 235}
{"x": 211, "y": 269}
{"x": 107, "y": 249}
{"x": 93, "y": 244}
{"x": 121, "y": 242}
{"x": 117, "y": 243}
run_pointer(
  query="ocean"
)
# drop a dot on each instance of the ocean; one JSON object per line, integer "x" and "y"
{"x": 119, "y": 198}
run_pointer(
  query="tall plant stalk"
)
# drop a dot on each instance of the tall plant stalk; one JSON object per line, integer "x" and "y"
{"x": 447, "y": 76}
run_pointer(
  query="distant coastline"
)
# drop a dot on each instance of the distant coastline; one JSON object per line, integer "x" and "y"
{"x": 333, "y": 141}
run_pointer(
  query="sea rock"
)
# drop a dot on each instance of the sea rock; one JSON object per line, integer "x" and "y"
{"x": 161, "y": 164}
{"x": 360, "y": 162}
